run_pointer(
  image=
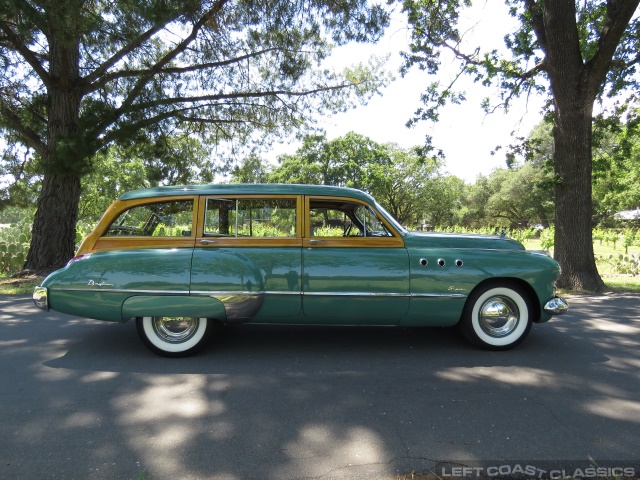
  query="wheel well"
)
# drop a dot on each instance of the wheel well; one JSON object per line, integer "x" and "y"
{"x": 521, "y": 284}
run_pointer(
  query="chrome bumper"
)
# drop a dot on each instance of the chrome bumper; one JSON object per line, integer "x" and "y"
{"x": 556, "y": 306}
{"x": 40, "y": 298}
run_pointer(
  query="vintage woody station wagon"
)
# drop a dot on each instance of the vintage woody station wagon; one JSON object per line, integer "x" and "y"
{"x": 181, "y": 260}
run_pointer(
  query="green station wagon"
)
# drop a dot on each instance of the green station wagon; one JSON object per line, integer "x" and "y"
{"x": 183, "y": 259}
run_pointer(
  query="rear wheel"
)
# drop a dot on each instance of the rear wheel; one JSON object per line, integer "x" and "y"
{"x": 497, "y": 317}
{"x": 175, "y": 336}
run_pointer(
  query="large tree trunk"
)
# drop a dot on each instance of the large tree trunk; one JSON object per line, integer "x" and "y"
{"x": 574, "y": 209}
{"x": 574, "y": 88}
{"x": 54, "y": 227}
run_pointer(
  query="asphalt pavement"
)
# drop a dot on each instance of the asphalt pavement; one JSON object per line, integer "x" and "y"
{"x": 84, "y": 399}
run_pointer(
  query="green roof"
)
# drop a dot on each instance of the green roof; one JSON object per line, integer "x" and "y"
{"x": 247, "y": 189}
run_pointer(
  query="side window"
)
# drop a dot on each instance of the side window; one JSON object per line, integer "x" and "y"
{"x": 263, "y": 217}
{"x": 327, "y": 221}
{"x": 165, "y": 219}
{"x": 333, "y": 218}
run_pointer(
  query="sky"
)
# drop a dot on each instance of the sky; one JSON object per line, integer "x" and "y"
{"x": 465, "y": 134}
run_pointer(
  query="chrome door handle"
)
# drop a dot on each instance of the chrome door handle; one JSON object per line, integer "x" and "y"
{"x": 313, "y": 242}
{"x": 207, "y": 242}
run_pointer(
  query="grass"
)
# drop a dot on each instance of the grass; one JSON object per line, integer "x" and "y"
{"x": 18, "y": 286}
{"x": 619, "y": 283}
{"x": 623, "y": 284}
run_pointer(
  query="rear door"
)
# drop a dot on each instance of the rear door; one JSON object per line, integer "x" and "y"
{"x": 248, "y": 255}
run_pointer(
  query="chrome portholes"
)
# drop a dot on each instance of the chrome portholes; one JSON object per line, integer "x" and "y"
{"x": 498, "y": 316}
{"x": 441, "y": 262}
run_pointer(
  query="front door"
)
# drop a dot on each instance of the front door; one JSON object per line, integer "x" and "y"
{"x": 355, "y": 266}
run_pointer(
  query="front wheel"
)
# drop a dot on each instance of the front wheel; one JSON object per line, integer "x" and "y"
{"x": 497, "y": 317}
{"x": 174, "y": 336}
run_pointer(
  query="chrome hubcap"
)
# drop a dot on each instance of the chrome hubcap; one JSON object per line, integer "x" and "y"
{"x": 175, "y": 330}
{"x": 498, "y": 316}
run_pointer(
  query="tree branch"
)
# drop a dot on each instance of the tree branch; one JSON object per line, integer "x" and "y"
{"x": 30, "y": 136}
{"x": 155, "y": 69}
{"x": 172, "y": 71}
{"x": 28, "y": 55}
{"x": 119, "y": 55}
{"x": 619, "y": 14}
{"x": 537, "y": 21}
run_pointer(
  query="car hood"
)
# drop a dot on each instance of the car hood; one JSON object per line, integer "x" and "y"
{"x": 459, "y": 240}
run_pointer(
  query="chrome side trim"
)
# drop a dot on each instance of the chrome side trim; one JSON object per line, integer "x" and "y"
{"x": 439, "y": 295}
{"x": 369, "y": 294}
{"x": 215, "y": 293}
{"x": 40, "y": 298}
{"x": 556, "y": 306}
{"x": 122, "y": 290}
{"x": 235, "y": 293}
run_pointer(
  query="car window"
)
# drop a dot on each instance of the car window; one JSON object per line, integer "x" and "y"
{"x": 164, "y": 219}
{"x": 334, "y": 218}
{"x": 243, "y": 217}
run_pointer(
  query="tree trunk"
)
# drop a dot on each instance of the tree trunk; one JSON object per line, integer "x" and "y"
{"x": 573, "y": 247}
{"x": 54, "y": 226}
{"x": 574, "y": 88}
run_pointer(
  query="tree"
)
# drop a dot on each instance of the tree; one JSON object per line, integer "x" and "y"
{"x": 407, "y": 182}
{"x": 77, "y": 76}
{"x": 519, "y": 196}
{"x": 350, "y": 161}
{"x": 572, "y": 51}
{"x": 616, "y": 176}
{"x": 252, "y": 170}
{"x": 413, "y": 189}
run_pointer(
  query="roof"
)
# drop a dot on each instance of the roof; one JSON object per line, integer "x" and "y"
{"x": 247, "y": 189}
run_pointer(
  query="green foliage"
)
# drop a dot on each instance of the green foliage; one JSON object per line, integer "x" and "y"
{"x": 547, "y": 238}
{"x": 619, "y": 264}
{"x": 515, "y": 198}
{"x": 407, "y": 182}
{"x": 15, "y": 239}
{"x": 13, "y": 247}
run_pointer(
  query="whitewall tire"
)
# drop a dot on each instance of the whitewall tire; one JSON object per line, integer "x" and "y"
{"x": 497, "y": 317}
{"x": 175, "y": 337}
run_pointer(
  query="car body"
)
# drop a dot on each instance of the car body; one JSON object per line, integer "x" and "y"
{"x": 182, "y": 259}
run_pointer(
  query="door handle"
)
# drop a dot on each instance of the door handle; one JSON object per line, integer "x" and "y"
{"x": 314, "y": 242}
{"x": 207, "y": 242}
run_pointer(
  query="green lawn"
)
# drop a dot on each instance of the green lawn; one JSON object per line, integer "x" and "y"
{"x": 613, "y": 264}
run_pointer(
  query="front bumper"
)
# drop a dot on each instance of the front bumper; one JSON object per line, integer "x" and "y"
{"x": 41, "y": 298}
{"x": 556, "y": 306}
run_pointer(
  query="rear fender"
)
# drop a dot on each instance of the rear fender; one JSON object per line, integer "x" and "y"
{"x": 173, "y": 306}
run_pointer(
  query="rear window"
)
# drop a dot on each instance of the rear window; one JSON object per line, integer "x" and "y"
{"x": 163, "y": 219}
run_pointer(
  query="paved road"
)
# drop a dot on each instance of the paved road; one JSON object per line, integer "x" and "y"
{"x": 85, "y": 399}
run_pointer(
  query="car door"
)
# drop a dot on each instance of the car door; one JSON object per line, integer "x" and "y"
{"x": 248, "y": 255}
{"x": 355, "y": 266}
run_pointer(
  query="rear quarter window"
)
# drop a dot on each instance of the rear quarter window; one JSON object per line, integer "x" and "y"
{"x": 163, "y": 219}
